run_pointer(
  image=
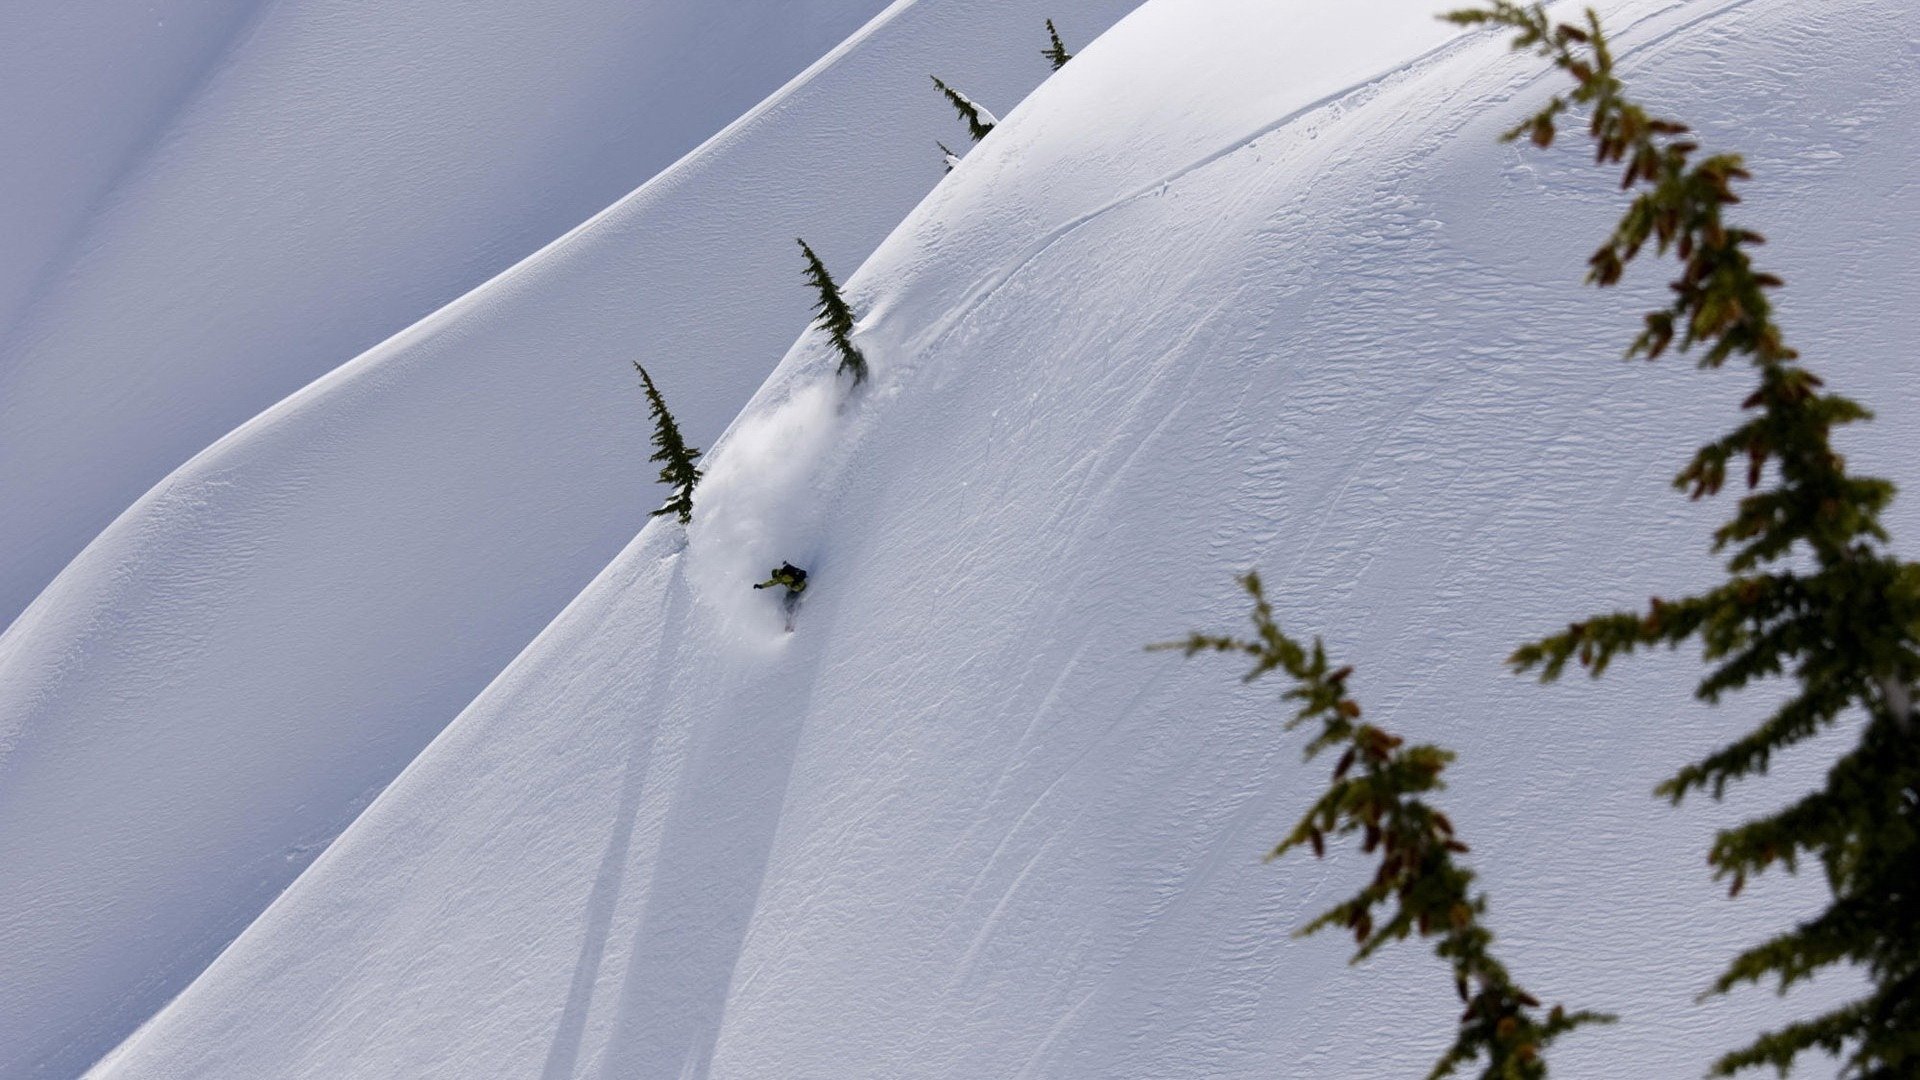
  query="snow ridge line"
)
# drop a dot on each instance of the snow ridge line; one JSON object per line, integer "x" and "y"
{"x": 482, "y": 292}
{"x": 685, "y": 161}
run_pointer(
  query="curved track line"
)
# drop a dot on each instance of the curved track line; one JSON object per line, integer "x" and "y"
{"x": 985, "y": 290}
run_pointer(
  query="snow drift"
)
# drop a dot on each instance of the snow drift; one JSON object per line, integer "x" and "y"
{"x": 1249, "y": 283}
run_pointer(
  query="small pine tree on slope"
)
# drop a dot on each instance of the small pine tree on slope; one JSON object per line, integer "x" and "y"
{"x": 947, "y": 155}
{"x": 980, "y": 122}
{"x": 1811, "y": 593}
{"x": 1056, "y": 52}
{"x": 832, "y": 314}
{"x": 677, "y": 470}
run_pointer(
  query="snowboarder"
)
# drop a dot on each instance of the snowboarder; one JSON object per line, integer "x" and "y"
{"x": 794, "y": 578}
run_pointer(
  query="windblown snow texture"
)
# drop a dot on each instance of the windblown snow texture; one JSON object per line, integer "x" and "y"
{"x": 1248, "y": 283}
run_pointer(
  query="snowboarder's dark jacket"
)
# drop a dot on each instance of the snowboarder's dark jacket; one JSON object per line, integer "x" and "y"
{"x": 794, "y": 578}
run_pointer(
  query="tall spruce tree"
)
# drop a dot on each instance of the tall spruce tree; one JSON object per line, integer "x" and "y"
{"x": 832, "y": 314}
{"x": 980, "y": 122}
{"x": 1056, "y": 52}
{"x": 677, "y": 470}
{"x": 1419, "y": 887}
{"x": 1811, "y": 593}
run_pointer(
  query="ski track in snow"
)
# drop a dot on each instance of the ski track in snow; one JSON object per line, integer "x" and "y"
{"x": 1332, "y": 103}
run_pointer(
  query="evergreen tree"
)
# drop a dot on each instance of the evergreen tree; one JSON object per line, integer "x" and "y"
{"x": 677, "y": 470}
{"x": 832, "y": 314}
{"x": 980, "y": 122}
{"x": 947, "y": 155}
{"x": 1811, "y": 593}
{"x": 1421, "y": 885}
{"x": 1056, "y": 52}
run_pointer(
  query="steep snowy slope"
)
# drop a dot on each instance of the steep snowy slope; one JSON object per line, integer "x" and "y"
{"x": 214, "y": 688}
{"x": 1248, "y": 283}
{"x": 210, "y": 204}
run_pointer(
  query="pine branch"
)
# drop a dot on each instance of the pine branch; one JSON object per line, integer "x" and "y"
{"x": 980, "y": 122}
{"x": 677, "y": 471}
{"x": 1420, "y": 886}
{"x": 832, "y": 314}
{"x": 1848, "y": 633}
{"x": 1056, "y": 53}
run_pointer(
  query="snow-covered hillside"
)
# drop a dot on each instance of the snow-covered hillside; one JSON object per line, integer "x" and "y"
{"x": 220, "y": 682}
{"x": 1248, "y": 283}
{"x": 210, "y": 203}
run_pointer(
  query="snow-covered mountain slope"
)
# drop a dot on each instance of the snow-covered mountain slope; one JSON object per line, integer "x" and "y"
{"x": 211, "y": 203}
{"x": 215, "y": 687}
{"x": 1249, "y": 283}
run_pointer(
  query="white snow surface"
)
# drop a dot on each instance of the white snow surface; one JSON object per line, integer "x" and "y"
{"x": 221, "y": 681}
{"x": 1249, "y": 283}
{"x": 210, "y": 203}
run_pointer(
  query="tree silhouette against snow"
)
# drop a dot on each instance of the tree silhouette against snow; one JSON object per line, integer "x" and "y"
{"x": 677, "y": 470}
{"x": 980, "y": 122}
{"x": 1056, "y": 52}
{"x": 832, "y": 314}
{"x": 1811, "y": 589}
{"x": 947, "y": 155}
{"x": 1420, "y": 885}
{"x": 1811, "y": 592}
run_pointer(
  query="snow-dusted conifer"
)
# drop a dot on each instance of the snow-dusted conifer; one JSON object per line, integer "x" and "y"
{"x": 677, "y": 470}
{"x": 947, "y": 155}
{"x": 832, "y": 314}
{"x": 980, "y": 122}
{"x": 1056, "y": 52}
